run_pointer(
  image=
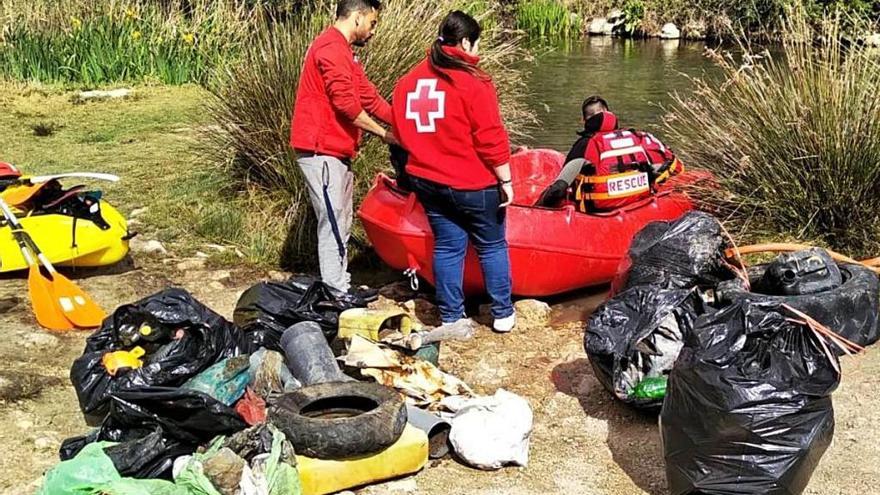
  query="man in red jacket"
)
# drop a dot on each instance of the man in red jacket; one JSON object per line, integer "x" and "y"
{"x": 335, "y": 103}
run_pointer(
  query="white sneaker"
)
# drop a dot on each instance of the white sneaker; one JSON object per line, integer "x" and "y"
{"x": 462, "y": 323}
{"x": 505, "y": 325}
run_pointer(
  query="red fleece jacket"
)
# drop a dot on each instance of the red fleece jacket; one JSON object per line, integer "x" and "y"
{"x": 333, "y": 90}
{"x": 452, "y": 129}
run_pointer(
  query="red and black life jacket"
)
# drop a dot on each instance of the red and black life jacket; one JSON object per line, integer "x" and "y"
{"x": 624, "y": 166}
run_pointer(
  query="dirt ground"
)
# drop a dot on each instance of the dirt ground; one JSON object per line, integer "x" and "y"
{"x": 583, "y": 442}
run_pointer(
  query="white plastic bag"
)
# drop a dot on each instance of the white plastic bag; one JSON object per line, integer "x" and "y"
{"x": 492, "y": 432}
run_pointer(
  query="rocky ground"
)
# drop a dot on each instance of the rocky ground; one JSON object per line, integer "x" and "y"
{"x": 583, "y": 442}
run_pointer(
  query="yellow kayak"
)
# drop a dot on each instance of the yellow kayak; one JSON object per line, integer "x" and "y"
{"x": 99, "y": 238}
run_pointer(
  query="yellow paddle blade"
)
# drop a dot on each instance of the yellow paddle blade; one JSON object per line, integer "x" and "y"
{"x": 77, "y": 306}
{"x": 49, "y": 314}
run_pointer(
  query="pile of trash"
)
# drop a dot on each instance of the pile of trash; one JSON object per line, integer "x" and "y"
{"x": 740, "y": 363}
{"x": 308, "y": 392}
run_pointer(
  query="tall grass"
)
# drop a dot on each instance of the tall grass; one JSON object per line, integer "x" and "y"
{"x": 93, "y": 42}
{"x": 793, "y": 140}
{"x": 549, "y": 20}
{"x": 252, "y": 102}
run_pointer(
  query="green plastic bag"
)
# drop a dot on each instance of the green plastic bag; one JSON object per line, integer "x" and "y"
{"x": 282, "y": 477}
{"x": 92, "y": 472}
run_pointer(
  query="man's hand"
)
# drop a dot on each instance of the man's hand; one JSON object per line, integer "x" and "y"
{"x": 507, "y": 194}
{"x": 390, "y": 138}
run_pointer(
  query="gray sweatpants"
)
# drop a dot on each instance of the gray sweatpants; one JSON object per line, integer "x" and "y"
{"x": 318, "y": 172}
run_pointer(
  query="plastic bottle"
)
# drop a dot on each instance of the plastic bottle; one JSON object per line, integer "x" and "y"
{"x": 652, "y": 387}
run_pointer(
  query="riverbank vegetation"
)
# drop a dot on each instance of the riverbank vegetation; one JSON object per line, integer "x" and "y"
{"x": 557, "y": 21}
{"x": 792, "y": 138}
{"x": 94, "y": 42}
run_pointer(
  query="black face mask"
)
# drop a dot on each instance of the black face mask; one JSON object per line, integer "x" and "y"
{"x": 593, "y": 124}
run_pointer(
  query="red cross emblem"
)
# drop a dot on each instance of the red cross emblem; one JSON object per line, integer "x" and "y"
{"x": 426, "y": 105}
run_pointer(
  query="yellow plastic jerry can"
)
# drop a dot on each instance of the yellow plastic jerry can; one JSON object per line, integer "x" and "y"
{"x": 409, "y": 455}
{"x": 372, "y": 323}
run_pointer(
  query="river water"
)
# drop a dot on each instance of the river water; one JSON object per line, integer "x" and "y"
{"x": 636, "y": 77}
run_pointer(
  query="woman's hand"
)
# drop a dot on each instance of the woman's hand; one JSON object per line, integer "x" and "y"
{"x": 507, "y": 194}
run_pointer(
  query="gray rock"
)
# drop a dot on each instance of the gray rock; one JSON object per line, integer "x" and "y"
{"x": 670, "y": 32}
{"x": 45, "y": 443}
{"x": 598, "y": 27}
{"x": 191, "y": 264}
{"x": 224, "y": 471}
{"x": 139, "y": 246}
{"x": 139, "y": 212}
{"x": 399, "y": 487}
{"x": 616, "y": 16}
{"x": 40, "y": 340}
{"x": 84, "y": 96}
{"x": 532, "y": 314}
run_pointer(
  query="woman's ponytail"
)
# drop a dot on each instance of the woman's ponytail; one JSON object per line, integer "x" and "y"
{"x": 456, "y": 27}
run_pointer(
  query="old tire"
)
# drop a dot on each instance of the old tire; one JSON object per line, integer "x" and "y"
{"x": 850, "y": 310}
{"x": 340, "y": 420}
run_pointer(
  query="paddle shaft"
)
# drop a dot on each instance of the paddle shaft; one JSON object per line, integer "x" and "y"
{"x": 73, "y": 175}
{"x": 24, "y": 239}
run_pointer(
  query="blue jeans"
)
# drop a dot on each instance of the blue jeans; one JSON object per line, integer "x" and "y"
{"x": 457, "y": 216}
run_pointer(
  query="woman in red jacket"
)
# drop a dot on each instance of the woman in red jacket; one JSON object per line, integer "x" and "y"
{"x": 445, "y": 113}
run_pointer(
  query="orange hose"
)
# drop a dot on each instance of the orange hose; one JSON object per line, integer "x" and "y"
{"x": 731, "y": 254}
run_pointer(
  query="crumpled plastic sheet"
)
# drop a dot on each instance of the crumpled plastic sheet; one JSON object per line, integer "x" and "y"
{"x": 422, "y": 382}
{"x": 269, "y": 374}
{"x": 491, "y": 432}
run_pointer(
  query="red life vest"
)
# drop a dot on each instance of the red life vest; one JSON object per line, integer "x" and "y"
{"x": 624, "y": 167}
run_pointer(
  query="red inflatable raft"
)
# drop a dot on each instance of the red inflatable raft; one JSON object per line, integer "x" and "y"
{"x": 552, "y": 251}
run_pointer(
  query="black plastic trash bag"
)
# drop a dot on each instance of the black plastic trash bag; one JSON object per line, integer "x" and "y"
{"x": 748, "y": 409}
{"x": 156, "y": 425}
{"x": 851, "y": 309}
{"x": 267, "y": 309}
{"x": 682, "y": 254}
{"x": 638, "y": 334}
{"x": 146, "y": 458}
{"x": 184, "y": 338}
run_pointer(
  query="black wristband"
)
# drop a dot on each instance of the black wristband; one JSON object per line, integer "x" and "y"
{"x": 506, "y": 181}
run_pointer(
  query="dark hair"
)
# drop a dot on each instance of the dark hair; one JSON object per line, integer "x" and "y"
{"x": 594, "y": 101}
{"x": 347, "y": 7}
{"x": 456, "y": 27}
